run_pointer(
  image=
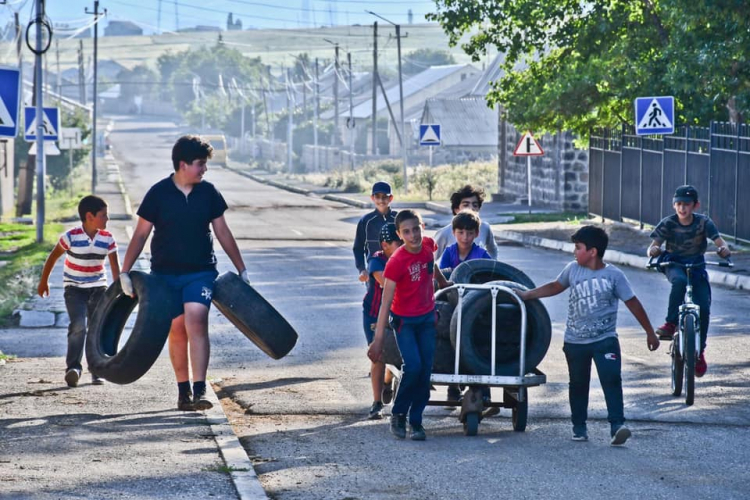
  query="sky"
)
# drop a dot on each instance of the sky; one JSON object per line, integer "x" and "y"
{"x": 257, "y": 14}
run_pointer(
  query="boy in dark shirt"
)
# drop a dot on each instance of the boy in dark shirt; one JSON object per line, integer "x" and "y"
{"x": 366, "y": 240}
{"x": 685, "y": 235}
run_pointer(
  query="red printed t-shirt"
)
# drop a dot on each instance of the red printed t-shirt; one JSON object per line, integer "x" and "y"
{"x": 412, "y": 273}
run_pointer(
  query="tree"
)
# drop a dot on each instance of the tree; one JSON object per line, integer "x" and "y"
{"x": 575, "y": 64}
{"x": 139, "y": 81}
{"x": 421, "y": 59}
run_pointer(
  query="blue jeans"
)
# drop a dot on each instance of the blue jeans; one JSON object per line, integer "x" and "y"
{"x": 701, "y": 296}
{"x": 606, "y": 356}
{"x": 416, "y": 341}
{"x": 81, "y": 304}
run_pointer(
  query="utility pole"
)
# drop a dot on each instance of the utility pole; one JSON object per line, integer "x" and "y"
{"x": 81, "y": 75}
{"x": 57, "y": 57}
{"x": 350, "y": 122}
{"x": 374, "y": 149}
{"x": 290, "y": 119}
{"x": 25, "y": 174}
{"x": 335, "y": 139}
{"x": 95, "y": 97}
{"x": 39, "y": 84}
{"x": 316, "y": 112}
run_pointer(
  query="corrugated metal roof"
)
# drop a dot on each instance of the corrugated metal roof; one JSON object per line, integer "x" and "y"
{"x": 463, "y": 122}
{"x": 412, "y": 85}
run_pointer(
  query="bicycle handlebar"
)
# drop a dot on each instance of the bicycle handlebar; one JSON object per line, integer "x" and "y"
{"x": 653, "y": 265}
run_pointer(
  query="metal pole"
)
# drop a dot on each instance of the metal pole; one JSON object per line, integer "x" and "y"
{"x": 404, "y": 142}
{"x": 640, "y": 182}
{"x": 736, "y": 181}
{"x": 622, "y": 152}
{"x": 528, "y": 178}
{"x": 374, "y": 148}
{"x": 40, "y": 163}
{"x": 95, "y": 97}
{"x": 316, "y": 163}
{"x": 242, "y": 127}
{"x": 350, "y": 124}
{"x": 290, "y": 120}
{"x": 687, "y": 152}
{"x": 335, "y": 137}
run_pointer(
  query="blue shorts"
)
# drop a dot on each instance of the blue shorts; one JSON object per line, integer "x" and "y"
{"x": 369, "y": 322}
{"x": 194, "y": 287}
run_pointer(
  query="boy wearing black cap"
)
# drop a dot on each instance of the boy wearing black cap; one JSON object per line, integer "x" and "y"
{"x": 382, "y": 393}
{"x": 685, "y": 235}
{"x": 366, "y": 240}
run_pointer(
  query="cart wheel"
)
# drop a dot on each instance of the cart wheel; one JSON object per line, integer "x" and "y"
{"x": 521, "y": 414}
{"x": 471, "y": 424}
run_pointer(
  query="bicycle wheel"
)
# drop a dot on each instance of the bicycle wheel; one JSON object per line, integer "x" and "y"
{"x": 678, "y": 367}
{"x": 689, "y": 331}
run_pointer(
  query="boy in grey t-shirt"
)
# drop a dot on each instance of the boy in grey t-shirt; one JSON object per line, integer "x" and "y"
{"x": 590, "y": 331}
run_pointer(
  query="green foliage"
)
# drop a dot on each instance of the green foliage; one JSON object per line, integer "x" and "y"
{"x": 421, "y": 59}
{"x": 574, "y": 64}
{"x": 426, "y": 180}
{"x": 139, "y": 81}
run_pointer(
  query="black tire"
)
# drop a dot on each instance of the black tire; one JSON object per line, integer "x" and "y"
{"x": 485, "y": 270}
{"x": 689, "y": 331}
{"x": 471, "y": 424}
{"x": 253, "y": 315}
{"x": 678, "y": 368}
{"x": 445, "y": 313}
{"x": 520, "y": 412}
{"x": 476, "y": 324}
{"x": 158, "y": 306}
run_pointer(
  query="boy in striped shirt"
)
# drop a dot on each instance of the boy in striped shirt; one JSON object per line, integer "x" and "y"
{"x": 84, "y": 279}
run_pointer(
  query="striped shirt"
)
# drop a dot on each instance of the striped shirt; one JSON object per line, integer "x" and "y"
{"x": 84, "y": 259}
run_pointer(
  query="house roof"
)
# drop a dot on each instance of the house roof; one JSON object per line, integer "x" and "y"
{"x": 413, "y": 85}
{"x": 463, "y": 122}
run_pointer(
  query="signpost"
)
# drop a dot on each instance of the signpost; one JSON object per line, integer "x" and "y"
{"x": 654, "y": 115}
{"x": 429, "y": 135}
{"x": 50, "y": 123}
{"x": 528, "y": 147}
{"x": 10, "y": 96}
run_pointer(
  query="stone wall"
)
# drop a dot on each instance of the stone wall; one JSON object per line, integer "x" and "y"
{"x": 559, "y": 179}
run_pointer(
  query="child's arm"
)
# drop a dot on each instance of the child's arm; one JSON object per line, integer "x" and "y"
{"x": 654, "y": 250}
{"x": 546, "y": 290}
{"x": 636, "y": 308}
{"x": 114, "y": 265}
{"x": 375, "y": 351}
{"x": 491, "y": 244}
{"x": 229, "y": 244}
{"x": 43, "y": 287}
{"x": 722, "y": 248}
{"x": 442, "y": 282}
{"x": 378, "y": 275}
{"x": 359, "y": 252}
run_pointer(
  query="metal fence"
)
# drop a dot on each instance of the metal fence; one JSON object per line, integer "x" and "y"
{"x": 634, "y": 177}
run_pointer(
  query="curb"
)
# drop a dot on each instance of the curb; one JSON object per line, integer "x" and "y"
{"x": 616, "y": 257}
{"x": 269, "y": 182}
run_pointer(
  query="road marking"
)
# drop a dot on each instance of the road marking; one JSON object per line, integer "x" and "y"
{"x": 298, "y": 233}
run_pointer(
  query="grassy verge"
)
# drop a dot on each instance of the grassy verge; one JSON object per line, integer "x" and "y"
{"x": 569, "y": 217}
{"x": 425, "y": 183}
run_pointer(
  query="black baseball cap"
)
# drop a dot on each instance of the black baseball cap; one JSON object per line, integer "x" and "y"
{"x": 685, "y": 194}
{"x": 388, "y": 233}
{"x": 381, "y": 187}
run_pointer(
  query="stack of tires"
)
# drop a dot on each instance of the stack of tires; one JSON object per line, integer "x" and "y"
{"x": 476, "y": 319}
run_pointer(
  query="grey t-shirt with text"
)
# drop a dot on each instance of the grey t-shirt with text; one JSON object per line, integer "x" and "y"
{"x": 592, "y": 303}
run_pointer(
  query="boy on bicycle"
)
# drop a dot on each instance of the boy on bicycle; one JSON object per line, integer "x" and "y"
{"x": 685, "y": 235}
{"x": 590, "y": 331}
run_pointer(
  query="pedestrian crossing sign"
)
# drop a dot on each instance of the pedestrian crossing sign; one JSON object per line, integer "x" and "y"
{"x": 10, "y": 96}
{"x": 50, "y": 123}
{"x": 654, "y": 115}
{"x": 429, "y": 135}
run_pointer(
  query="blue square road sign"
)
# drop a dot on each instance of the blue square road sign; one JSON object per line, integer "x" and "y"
{"x": 51, "y": 123}
{"x": 654, "y": 115}
{"x": 10, "y": 97}
{"x": 429, "y": 135}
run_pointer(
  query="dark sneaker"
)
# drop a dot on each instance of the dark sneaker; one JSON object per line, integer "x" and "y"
{"x": 666, "y": 331}
{"x": 417, "y": 433}
{"x": 376, "y": 411}
{"x": 387, "y": 395}
{"x": 398, "y": 425}
{"x": 72, "y": 376}
{"x": 700, "y": 365}
{"x": 96, "y": 380}
{"x": 620, "y": 436}
{"x": 200, "y": 402}
{"x": 185, "y": 402}
{"x": 580, "y": 436}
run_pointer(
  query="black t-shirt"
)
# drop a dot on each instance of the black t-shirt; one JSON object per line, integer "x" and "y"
{"x": 182, "y": 241}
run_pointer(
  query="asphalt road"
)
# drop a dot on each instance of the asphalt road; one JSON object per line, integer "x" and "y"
{"x": 302, "y": 418}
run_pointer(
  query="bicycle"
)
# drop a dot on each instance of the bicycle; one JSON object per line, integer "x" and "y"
{"x": 685, "y": 345}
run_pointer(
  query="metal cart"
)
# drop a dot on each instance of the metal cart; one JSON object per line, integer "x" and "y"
{"x": 515, "y": 394}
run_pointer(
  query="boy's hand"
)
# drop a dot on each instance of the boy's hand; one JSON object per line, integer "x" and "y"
{"x": 653, "y": 341}
{"x": 654, "y": 251}
{"x": 127, "y": 285}
{"x": 245, "y": 277}
{"x": 723, "y": 252}
{"x": 43, "y": 289}
{"x": 375, "y": 351}
{"x": 522, "y": 294}
{"x": 363, "y": 276}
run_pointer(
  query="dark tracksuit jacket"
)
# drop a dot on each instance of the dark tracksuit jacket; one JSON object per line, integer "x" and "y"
{"x": 367, "y": 239}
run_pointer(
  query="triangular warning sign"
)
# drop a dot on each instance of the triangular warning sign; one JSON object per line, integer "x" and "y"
{"x": 430, "y": 136}
{"x": 5, "y": 119}
{"x": 49, "y": 130}
{"x": 655, "y": 117}
{"x": 528, "y": 146}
